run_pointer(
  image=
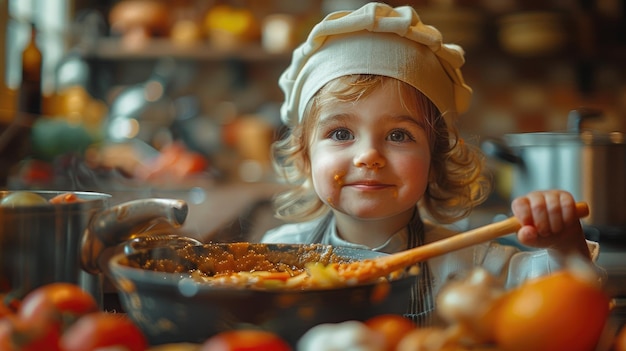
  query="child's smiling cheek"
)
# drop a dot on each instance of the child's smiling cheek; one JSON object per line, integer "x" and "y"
{"x": 370, "y": 159}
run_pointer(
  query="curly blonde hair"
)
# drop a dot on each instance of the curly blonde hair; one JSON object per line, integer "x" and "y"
{"x": 457, "y": 181}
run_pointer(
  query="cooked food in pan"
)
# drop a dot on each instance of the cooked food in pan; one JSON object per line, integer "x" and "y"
{"x": 258, "y": 266}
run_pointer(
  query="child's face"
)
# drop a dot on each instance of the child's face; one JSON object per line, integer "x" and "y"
{"x": 370, "y": 159}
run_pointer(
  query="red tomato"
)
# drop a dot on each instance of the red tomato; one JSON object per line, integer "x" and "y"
{"x": 34, "y": 335}
{"x": 36, "y": 172}
{"x": 392, "y": 326}
{"x": 65, "y": 198}
{"x": 5, "y": 335}
{"x": 5, "y": 310}
{"x": 191, "y": 163}
{"x": 176, "y": 161}
{"x": 7, "y": 326}
{"x": 12, "y": 303}
{"x": 245, "y": 340}
{"x": 619, "y": 344}
{"x": 103, "y": 330}
{"x": 64, "y": 302}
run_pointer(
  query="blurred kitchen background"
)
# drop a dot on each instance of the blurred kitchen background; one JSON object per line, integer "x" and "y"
{"x": 179, "y": 98}
{"x": 155, "y": 97}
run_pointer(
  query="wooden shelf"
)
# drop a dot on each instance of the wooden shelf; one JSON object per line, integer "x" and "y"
{"x": 114, "y": 49}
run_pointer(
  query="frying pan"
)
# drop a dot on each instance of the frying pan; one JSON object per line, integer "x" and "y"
{"x": 173, "y": 307}
{"x": 160, "y": 294}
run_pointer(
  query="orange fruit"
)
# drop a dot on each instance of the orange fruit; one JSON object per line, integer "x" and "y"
{"x": 392, "y": 326}
{"x": 561, "y": 311}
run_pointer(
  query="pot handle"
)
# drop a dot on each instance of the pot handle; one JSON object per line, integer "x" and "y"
{"x": 117, "y": 224}
{"x": 575, "y": 118}
{"x": 497, "y": 149}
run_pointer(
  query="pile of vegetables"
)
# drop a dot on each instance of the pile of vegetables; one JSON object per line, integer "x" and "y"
{"x": 63, "y": 317}
{"x": 566, "y": 310}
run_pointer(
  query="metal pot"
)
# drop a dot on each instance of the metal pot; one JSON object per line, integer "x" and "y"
{"x": 590, "y": 165}
{"x": 47, "y": 243}
{"x": 173, "y": 307}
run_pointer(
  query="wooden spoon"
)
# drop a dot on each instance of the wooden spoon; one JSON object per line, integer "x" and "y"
{"x": 371, "y": 269}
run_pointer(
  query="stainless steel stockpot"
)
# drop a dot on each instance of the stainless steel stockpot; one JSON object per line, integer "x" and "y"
{"x": 590, "y": 165}
{"x": 45, "y": 243}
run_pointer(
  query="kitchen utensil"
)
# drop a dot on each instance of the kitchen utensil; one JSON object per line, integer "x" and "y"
{"x": 372, "y": 269}
{"x": 45, "y": 243}
{"x": 591, "y": 165}
{"x": 174, "y": 307}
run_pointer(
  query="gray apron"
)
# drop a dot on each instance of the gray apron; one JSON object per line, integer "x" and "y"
{"x": 422, "y": 302}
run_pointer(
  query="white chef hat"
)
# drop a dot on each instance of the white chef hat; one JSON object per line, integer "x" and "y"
{"x": 376, "y": 39}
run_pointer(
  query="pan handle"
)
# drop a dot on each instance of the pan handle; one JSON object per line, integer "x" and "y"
{"x": 498, "y": 150}
{"x": 152, "y": 240}
{"x": 120, "y": 223}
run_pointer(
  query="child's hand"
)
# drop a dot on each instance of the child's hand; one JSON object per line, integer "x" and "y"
{"x": 549, "y": 220}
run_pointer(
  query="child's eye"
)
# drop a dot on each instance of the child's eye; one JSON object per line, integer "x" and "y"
{"x": 400, "y": 135}
{"x": 341, "y": 134}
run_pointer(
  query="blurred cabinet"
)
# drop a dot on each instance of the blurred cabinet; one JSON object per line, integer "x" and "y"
{"x": 525, "y": 90}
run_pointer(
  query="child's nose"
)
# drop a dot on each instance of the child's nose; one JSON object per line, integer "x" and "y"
{"x": 369, "y": 157}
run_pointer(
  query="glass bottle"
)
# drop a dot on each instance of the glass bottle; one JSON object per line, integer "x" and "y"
{"x": 29, "y": 95}
{"x": 16, "y": 139}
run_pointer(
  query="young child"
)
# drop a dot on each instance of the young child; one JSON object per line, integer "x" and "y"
{"x": 372, "y": 98}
